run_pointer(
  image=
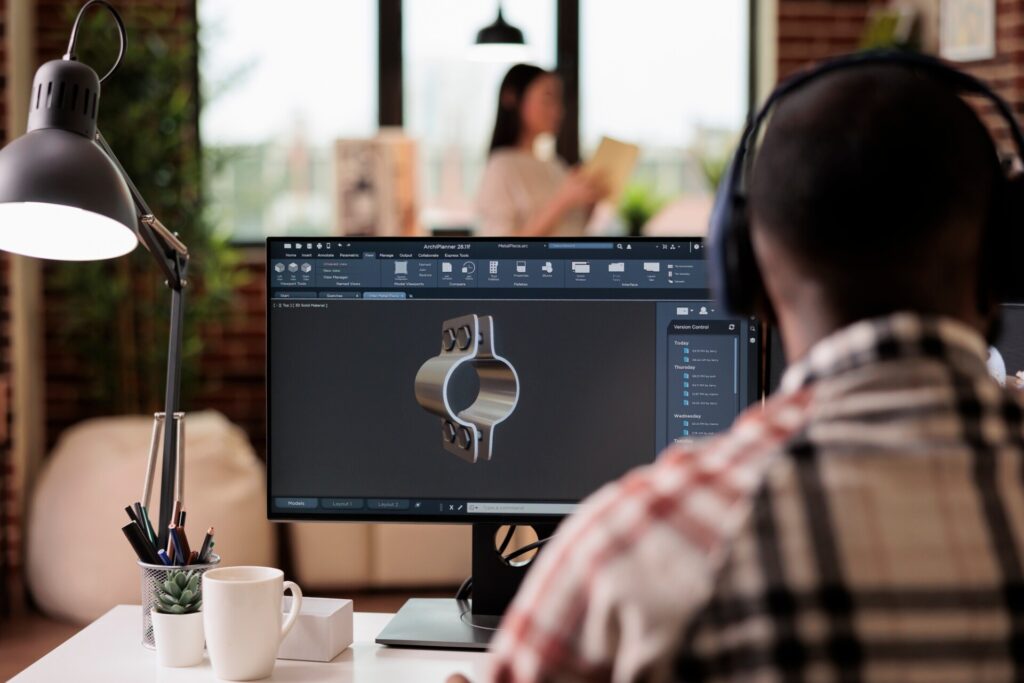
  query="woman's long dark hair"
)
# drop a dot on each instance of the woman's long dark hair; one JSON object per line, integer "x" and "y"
{"x": 508, "y": 124}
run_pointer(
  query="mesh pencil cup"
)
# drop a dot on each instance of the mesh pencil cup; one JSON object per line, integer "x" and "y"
{"x": 153, "y": 577}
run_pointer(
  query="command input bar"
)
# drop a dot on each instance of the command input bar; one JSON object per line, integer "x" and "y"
{"x": 520, "y": 508}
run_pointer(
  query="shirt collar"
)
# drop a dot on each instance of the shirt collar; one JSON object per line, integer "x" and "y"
{"x": 889, "y": 337}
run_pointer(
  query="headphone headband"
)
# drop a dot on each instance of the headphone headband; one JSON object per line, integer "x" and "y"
{"x": 735, "y": 279}
{"x": 960, "y": 80}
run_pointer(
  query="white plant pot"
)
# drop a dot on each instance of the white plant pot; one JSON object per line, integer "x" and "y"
{"x": 179, "y": 638}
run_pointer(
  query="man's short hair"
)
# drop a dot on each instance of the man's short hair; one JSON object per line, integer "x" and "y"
{"x": 878, "y": 176}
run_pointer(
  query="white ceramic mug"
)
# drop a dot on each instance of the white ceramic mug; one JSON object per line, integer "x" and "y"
{"x": 242, "y": 619}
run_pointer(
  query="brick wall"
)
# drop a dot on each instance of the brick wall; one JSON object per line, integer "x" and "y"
{"x": 234, "y": 354}
{"x": 812, "y": 30}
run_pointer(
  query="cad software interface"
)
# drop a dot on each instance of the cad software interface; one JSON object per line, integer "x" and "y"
{"x": 488, "y": 377}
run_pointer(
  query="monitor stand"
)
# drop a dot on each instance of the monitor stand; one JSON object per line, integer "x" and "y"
{"x": 451, "y": 624}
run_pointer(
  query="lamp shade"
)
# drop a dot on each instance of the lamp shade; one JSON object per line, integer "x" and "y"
{"x": 500, "y": 33}
{"x": 61, "y": 196}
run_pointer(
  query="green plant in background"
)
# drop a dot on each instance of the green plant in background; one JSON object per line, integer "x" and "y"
{"x": 713, "y": 167}
{"x": 892, "y": 27}
{"x": 638, "y": 204}
{"x": 114, "y": 314}
{"x": 179, "y": 593}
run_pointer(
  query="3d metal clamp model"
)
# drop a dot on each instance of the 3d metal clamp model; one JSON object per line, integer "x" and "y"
{"x": 470, "y": 433}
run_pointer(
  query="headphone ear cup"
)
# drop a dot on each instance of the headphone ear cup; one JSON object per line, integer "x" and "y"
{"x": 733, "y": 272}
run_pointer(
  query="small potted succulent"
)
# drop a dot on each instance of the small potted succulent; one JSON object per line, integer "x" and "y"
{"x": 177, "y": 621}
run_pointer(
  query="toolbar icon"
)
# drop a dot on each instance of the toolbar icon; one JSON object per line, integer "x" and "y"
{"x": 520, "y": 266}
{"x": 492, "y": 268}
{"x": 652, "y": 266}
{"x": 617, "y": 267}
{"x": 446, "y": 267}
{"x": 401, "y": 267}
{"x": 548, "y": 268}
{"x": 468, "y": 268}
{"x": 580, "y": 267}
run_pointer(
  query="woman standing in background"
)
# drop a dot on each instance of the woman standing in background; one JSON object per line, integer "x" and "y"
{"x": 520, "y": 193}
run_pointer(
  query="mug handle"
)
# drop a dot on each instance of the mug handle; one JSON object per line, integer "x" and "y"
{"x": 293, "y": 613}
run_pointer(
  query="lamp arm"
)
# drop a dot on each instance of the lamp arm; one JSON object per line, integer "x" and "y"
{"x": 170, "y": 253}
{"x": 172, "y": 257}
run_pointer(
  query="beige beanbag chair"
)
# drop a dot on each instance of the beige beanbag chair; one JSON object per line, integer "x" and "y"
{"x": 79, "y": 564}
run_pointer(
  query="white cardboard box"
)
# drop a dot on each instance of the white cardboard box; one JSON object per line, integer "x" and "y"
{"x": 321, "y": 632}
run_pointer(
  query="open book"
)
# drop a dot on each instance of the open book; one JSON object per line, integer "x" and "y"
{"x": 612, "y": 164}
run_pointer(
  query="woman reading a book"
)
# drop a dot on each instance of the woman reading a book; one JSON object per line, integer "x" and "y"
{"x": 521, "y": 193}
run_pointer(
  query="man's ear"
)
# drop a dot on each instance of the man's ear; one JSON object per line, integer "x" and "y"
{"x": 764, "y": 258}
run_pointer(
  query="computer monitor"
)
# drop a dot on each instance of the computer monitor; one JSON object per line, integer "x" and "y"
{"x": 1006, "y": 357}
{"x": 487, "y": 381}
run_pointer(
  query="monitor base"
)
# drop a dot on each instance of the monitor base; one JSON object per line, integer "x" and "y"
{"x": 442, "y": 623}
{"x": 463, "y": 624}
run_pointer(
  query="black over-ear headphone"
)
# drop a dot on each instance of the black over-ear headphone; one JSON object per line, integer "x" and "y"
{"x": 734, "y": 274}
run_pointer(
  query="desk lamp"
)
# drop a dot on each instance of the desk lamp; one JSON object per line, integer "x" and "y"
{"x": 65, "y": 196}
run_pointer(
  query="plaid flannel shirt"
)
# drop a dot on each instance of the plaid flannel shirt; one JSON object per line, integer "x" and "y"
{"x": 866, "y": 524}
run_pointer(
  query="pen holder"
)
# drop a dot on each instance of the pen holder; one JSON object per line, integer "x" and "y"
{"x": 153, "y": 576}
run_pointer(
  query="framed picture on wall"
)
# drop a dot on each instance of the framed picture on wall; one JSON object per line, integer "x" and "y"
{"x": 967, "y": 30}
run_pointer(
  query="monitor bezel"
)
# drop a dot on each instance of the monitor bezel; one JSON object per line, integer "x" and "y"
{"x": 423, "y": 518}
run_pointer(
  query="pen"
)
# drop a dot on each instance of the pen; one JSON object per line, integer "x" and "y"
{"x": 131, "y": 513}
{"x": 142, "y": 548}
{"x": 164, "y": 557}
{"x": 192, "y": 557}
{"x": 137, "y": 509}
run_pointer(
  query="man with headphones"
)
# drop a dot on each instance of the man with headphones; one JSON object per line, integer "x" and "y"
{"x": 866, "y": 523}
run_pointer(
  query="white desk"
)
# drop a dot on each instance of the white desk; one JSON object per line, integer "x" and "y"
{"x": 110, "y": 650}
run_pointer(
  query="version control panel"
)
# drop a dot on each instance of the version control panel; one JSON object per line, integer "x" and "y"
{"x": 709, "y": 371}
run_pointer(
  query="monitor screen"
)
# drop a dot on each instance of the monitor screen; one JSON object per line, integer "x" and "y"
{"x": 466, "y": 380}
{"x": 1006, "y": 358}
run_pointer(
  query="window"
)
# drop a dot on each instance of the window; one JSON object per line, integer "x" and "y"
{"x": 672, "y": 78}
{"x": 290, "y": 127}
{"x": 280, "y": 87}
{"x": 451, "y": 99}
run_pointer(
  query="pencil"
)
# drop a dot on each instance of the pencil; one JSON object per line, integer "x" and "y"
{"x": 185, "y": 548}
{"x": 148, "y": 526}
{"x": 180, "y": 556}
{"x": 204, "y": 551}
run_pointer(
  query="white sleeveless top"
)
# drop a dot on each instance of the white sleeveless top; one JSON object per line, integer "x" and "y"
{"x": 516, "y": 185}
